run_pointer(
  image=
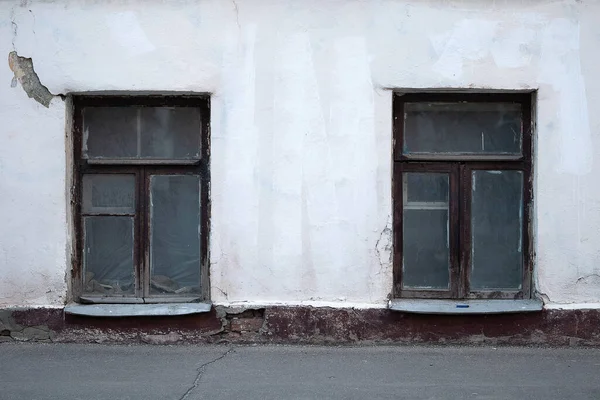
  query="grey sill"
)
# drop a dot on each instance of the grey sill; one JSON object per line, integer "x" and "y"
{"x": 420, "y": 306}
{"x": 137, "y": 310}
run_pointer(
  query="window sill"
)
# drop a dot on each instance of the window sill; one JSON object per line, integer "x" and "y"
{"x": 137, "y": 310}
{"x": 419, "y": 306}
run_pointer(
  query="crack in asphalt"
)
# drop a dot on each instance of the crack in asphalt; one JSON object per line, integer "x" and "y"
{"x": 201, "y": 369}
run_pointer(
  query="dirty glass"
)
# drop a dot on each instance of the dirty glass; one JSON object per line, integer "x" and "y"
{"x": 141, "y": 133}
{"x": 462, "y": 128}
{"x": 110, "y": 132}
{"x": 174, "y": 234}
{"x": 170, "y": 133}
{"x": 108, "y": 255}
{"x": 496, "y": 230}
{"x": 109, "y": 194}
{"x": 425, "y": 251}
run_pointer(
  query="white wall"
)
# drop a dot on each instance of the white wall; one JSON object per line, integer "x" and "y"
{"x": 301, "y": 129}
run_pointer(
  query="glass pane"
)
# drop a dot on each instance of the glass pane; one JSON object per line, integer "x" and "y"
{"x": 110, "y": 132}
{"x": 142, "y": 132}
{"x": 175, "y": 234}
{"x": 426, "y": 187}
{"x": 108, "y": 255}
{"x": 462, "y": 128}
{"x": 496, "y": 230}
{"x": 170, "y": 132}
{"x": 111, "y": 194}
{"x": 425, "y": 247}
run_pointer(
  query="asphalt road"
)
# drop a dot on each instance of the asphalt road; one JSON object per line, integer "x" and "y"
{"x": 67, "y": 371}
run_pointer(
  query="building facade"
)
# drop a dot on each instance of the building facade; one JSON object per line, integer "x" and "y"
{"x": 300, "y": 171}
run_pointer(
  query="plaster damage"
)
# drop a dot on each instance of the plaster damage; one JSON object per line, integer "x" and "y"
{"x": 23, "y": 69}
{"x": 316, "y": 325}
{"x": 300, "y": 130}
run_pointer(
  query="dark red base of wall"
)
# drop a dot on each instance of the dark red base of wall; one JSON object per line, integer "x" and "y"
{"x": 308, "y": 325}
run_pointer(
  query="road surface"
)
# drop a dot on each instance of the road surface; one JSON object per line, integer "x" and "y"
{"x": 68, "y": 371}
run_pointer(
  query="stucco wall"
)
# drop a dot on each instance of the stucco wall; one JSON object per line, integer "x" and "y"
{"x": 301, "y": 130}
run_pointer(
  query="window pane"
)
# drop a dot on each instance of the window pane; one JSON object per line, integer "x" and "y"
{"x": 426, "y": 187}
{"x": 496, "y": 230}
{"x": 462, "y": 128}
{"x": 109, "y": 132}
{"x": 170, "y": 132}
{"x": 142, "y": 132}
{"x": 110, "y": 194}
{"x": 175, "y": 234}
{"x": 425, "y": 251}
{"x": 108, "y": 255}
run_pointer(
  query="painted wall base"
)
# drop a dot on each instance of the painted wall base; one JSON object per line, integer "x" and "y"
{"x": 307, "y": 325}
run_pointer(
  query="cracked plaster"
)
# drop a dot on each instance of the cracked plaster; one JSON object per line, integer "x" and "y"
{"x": 30, "y": 82}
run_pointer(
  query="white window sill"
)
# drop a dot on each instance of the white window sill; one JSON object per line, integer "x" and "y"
{"x": 426, "y": 306}
{"x": 137, "y": 310}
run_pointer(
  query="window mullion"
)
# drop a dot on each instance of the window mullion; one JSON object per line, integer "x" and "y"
{"x": 454, "y": 230}
{"x": 146, "y": 238}
{"x": 464, "y": 222}
{"x": 142, "y": 234}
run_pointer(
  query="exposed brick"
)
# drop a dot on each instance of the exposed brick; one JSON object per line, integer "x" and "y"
{"x": 246, "y": 324}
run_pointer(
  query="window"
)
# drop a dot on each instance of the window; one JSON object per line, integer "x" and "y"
{"x": 462, "y": 196}
{"x": 141, "y": 199}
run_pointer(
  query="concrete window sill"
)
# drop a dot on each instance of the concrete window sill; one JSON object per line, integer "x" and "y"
{"x": 425, "y": 306}
{"x": 137, "y": 310}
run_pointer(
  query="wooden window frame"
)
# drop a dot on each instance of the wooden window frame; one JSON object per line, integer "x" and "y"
{"x": 459, "y": 169}
{"x": 142, "y": 169}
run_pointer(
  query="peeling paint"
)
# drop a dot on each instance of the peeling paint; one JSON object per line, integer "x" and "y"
{"x": 23, "y": 69}
{"x": 383, "y": 247}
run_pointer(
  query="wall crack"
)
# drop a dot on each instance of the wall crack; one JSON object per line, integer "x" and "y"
{"x": 15, "y": 28}
{"x": 237, "y": 14}
{"x": 222, "y": 291}
{"x": 586, "y": 278}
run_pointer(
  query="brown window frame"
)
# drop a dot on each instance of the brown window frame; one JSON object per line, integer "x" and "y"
{"x": 142, "y": 169}
{"x": 459, "y": 168}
